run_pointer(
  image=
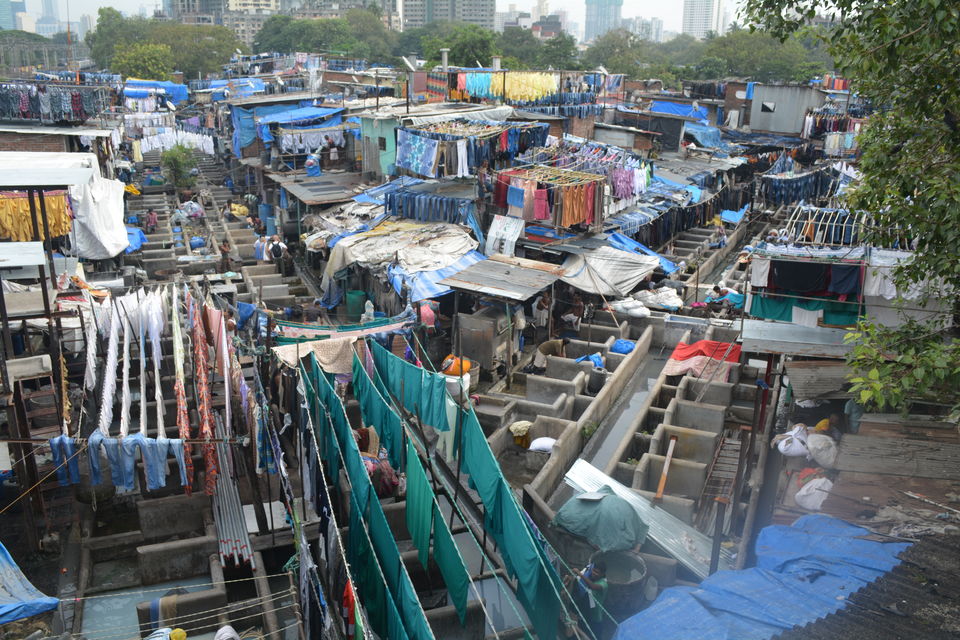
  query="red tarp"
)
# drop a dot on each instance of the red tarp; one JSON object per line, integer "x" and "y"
{"x": 710, "y": 348}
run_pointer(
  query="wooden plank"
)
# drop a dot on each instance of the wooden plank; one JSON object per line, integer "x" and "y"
{"x": 899, "y": 457}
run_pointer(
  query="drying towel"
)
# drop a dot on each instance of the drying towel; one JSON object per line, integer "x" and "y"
{"x": 515, "y": 196}
{"x": 334, "y": 355}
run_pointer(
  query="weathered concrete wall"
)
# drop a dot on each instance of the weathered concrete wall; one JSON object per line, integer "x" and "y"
{"x": 445, "y": 622}
{"x": 720, "y": 393}
{"x": 175, "y": 558}
{"x": 684, "y": 479}
{"x": 191, "y": 604}
{"x": 696, "y": 415}
{"x": 692, "y": 444}
{"x": 166, "y": 517}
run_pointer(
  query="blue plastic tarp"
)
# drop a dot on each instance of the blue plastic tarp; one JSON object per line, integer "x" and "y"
{"x": 312, "y": 116}
{"x": 377, "y": 195}
{"x": 135, "y": 88}
{"x": 244, "y": 122}
{"x": 136, "y": 237}
{"x": 680, "y": 109}
{"x": 423, "y": 284}
{"x": 734, "y": 217}
{"x": 18, "y": 598}
{"x": 239, "y": 88}
{"x": 804, "y": 572}
{"x": 625, "y": 243}
{"x": 706, "y": 136}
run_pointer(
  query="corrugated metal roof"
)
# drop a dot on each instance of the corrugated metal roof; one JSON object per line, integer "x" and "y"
{"x": 59, "y": 131}
{"x": 760, "y": 336}
{"x": 328, "y": 188}
{"x": 505, "y": 277}
{"x": 811, "y": 379}
{"x": 52, "y": 178}
{"x": 918, "y": 599}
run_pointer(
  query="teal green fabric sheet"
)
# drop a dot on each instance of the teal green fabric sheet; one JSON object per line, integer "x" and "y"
{"x": 448, "y": 558}
{"x": 419, "y": 505}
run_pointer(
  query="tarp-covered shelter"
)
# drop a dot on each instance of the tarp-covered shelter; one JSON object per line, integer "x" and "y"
{"x": 244, "y": 124}
{"x": 136, "y": 88}
{"x": 402, "y": 253}
{"x": 237, "y": 88}
{"x": 607, "y": 271}
{"x": 680, "y": 109}
{"x": 298, "y": 117}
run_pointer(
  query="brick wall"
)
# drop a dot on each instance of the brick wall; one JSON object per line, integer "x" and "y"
{"x": 32, "y": 142}
{"x": 581, "y": 127}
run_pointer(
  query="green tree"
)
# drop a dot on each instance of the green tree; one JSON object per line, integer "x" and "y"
{"x": 271, "y": 35}
{"x": 682, "y": 50}
{"x": 145, "y": 60}
{"x": 113, "y": 31}
{"x": 520, "y": 47}
{"x": 197, "y": 49}
{"x": 758, "y": 56}
{"x": 711, "y": 68}
{"x": 619, "y": 51}
{"x": 177, "y": 161}
{"x": 901, "y": 54}
{"x": 374, "y": 41}
{"x": 559, "y": 52}
{"x": 468, "y": 44}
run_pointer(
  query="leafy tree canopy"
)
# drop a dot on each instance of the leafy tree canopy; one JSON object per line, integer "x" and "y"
{"x": 468, "y": 44}
{"x": 145, "y": 60}
{"x": 194, "y": 49}
{"x": 13, "y": 35}
{"x": 901, "y": 55}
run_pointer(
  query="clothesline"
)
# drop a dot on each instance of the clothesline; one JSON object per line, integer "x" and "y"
{"x": 335, "y": 127}
{"x": 471, "y": 128}
{"x": 553, "y": 175}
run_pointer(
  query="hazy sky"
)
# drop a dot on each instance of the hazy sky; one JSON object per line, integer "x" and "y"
{"x": 671, "y": 11}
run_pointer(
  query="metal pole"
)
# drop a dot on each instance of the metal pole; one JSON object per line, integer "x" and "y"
{"x": 459, "y": 436}
{"x": 7, "y": 342}
{"x": 54, "y": 337}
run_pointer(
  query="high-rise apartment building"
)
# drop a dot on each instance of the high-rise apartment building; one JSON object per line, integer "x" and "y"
{"x": 7, "y": 18}
{"x": 646, "y": 28}
{"x": 602, "y": 16}
{"x": 253, "y": 6}
{"x": 50, "y": 9}
{"x": 701, "y": 17}
{"x": 419, "y": 13}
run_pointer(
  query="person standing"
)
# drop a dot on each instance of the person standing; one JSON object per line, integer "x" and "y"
{"x": 279, "y": 255}
{"x": 151, "y": 221}
{"x": 260, "y": 250}
{"x": 225, "y": 262}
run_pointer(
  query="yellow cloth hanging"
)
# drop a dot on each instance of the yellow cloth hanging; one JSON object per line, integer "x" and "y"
{"x": 16, "y": 223}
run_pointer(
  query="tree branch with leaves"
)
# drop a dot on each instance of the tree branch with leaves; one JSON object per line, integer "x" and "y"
{"x": 903, "y": 56}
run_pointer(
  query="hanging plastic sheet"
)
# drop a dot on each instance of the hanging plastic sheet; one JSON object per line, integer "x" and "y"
{"x": 18, "y": 598}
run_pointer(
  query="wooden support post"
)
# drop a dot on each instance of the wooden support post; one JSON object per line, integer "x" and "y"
{"x": 718, "y": 533}
{"x": 666, "y": 469}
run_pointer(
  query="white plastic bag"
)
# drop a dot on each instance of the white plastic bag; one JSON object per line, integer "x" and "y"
{"x": 811, "y": 495}
{"x": 823, "y": 449}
